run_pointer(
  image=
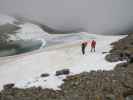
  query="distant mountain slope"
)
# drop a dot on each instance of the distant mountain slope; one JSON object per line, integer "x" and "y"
{"x": 46, "y": 28}
{"x": 13, "y": 30}
{"x": 5, "y": 19}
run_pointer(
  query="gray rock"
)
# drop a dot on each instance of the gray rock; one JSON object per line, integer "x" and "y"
{"x": 9, "y": 86}
{"x": 104, "y": 52}
{"x": 113, "y": 57}
{"x": 131, "y": 59}
{"x": 110, "y": 97}
{"x": 129, "y": 97}
{"x": 44, "y": 75}
{"x": 62, "y": 72}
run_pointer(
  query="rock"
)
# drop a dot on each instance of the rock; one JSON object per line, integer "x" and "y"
{"x": 130, "y": 97}
{"x": 62, "y": 72}
{"x": 131, "y": 59}
{"x": 131, "y": 43}
{"x": 110, "y": 97}
{"x": 127, "y": 54}
{"x": 122, "y": 56}
{"x": 44, "y": 75}
{"x": 121, "y": 66}
{"x": 9, "y": 86}
{"x": 113, "y": 57}
{"x": 104, "y": 52}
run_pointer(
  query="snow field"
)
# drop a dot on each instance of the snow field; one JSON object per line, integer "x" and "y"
{"x": 25, "y": 72}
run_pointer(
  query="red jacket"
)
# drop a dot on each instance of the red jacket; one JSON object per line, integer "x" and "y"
{"x": 93, "y": 43}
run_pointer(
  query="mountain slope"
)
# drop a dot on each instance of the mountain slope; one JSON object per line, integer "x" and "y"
{"x": 16, "y": 35}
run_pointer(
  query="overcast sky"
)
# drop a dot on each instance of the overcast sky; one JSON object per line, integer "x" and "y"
{"x": 94, "y": 16}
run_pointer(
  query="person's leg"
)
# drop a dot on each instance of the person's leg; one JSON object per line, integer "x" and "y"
{"x": 83, "y": 50}
{"x": 91, "y": 49}
{"x": 94, "y": 49}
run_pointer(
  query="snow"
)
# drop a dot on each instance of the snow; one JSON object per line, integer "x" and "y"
{"x": 30, "y": 31}
{"x": 5, "y": 19}
{"x": 47, "y": 82}
{"x": 25, "y": 71}
{"x": 27, "y": 31}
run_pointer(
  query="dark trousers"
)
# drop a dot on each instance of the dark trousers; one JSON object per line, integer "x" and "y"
{"x": 83, "y": 50}
{"x": 92, "y": 49}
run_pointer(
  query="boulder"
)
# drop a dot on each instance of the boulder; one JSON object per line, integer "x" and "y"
{"x": 110, "y": 97}
{"x": 131, "y": 59}
{"x": 113, "y": 57}
{"x": 104, "y": 52}
{"x": 44, "y": 75}
{"x": 9, "y": 86}
{"x": 62, "y": 72}
{"x": 130, "y": 97}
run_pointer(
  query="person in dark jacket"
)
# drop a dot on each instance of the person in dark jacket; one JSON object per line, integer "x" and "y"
{"x": 93, "y": 45}
{"x": 83, "y": 46}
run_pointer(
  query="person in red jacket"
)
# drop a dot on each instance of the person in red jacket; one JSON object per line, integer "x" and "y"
{"x": 93, "y": 45}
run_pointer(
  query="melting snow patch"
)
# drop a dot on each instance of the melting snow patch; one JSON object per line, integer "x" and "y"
{"x": 48, "y": 82}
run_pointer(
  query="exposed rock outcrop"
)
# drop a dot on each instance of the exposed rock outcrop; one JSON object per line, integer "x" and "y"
{"x": 62, "y": 72}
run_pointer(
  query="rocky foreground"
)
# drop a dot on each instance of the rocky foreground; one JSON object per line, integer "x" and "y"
{"x": 116, "y": 84}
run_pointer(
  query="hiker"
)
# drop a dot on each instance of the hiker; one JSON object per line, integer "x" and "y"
{"x": 83, "y": 46}
{"x": 93, "y": 45}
